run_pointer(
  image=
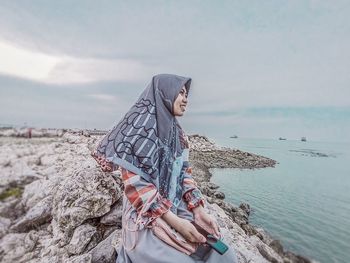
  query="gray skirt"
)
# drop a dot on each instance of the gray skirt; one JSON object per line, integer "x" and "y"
{"x": 149, "y": 248}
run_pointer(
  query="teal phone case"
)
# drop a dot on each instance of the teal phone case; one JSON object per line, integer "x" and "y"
{"x": 217, "y": 244}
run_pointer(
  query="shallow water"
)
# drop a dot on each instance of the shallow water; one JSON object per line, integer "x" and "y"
{"x": 304, "y": 201}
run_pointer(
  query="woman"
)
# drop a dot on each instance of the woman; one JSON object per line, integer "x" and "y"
{"x": 151, "y": 151}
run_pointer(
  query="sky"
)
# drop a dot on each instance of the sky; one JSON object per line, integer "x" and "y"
{"x": 259, "y": 69}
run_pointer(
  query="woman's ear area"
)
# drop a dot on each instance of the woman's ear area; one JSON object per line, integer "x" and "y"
{"x": 188, "y": 85}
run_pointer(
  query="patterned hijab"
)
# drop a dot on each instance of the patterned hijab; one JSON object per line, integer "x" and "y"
{"x": 147, "y": 139}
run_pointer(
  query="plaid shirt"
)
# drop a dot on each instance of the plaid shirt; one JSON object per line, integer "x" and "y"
{"x": 145, "y": 198}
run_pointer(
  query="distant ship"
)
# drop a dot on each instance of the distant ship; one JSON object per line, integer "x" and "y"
{"x": 303, "y": 139}
{"x": 234, "y": 137}
{"x": 282, "y": 139}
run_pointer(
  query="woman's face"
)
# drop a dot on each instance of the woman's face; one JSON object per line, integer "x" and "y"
{"x": 180, "y": 103}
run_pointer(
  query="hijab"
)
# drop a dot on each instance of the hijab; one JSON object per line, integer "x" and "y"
{"x": 146, "y": 141}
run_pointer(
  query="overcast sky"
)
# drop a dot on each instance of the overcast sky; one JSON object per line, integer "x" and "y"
{"x": 259, "y": 68}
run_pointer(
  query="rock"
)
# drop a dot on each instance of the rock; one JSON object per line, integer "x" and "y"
{"x": 266, "y": 251}
{"x": 105, "y": 251}
{"x": 212, "y": 186}
{"x": 37, "y": 215}
{"x": 263, "y": 235}
{"x": 86, "y": 203}
{"x": 206, "y": 190}
{"x": 296, "y": 258}
{"x": 8, "y": 133}
{"x": 17, "y": 174}
{"x": 114, "y": 217}
{"x": 88, "y": 193}
{"x": 250, "y": 230}
{"x": 17, "y": 247}
{"x": 86, "y": 258}
{"x": 81, "y": 237}
{"x": 240, "y": 217}
{"x": 38, "y": 190}
{"x": 11, "y": 208}
{"x": 219, "y": 195}
{"x": 4, "y": 224}
{"x": 245, "y": 207}
{"x": 277, "y": 246}
{"x": 48, "y": 160}
{"x": 73, "y": 138}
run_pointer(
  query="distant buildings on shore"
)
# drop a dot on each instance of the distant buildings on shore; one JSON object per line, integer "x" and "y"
{"x": 29, "y": 132}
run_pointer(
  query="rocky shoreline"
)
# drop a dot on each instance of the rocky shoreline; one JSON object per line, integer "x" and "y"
{"x": 56, "y": 205}
{"x": 205, "y": 155}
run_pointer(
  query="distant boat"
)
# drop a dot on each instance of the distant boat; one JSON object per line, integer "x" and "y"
{"x": 303, "y": 139}
{"x": 234, "y": 137}
{"x": 282, "y": 139}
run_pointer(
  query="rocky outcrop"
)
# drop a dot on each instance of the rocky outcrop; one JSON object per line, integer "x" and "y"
{"x": 65, "y": 211}
{"x": 58, "y": 206}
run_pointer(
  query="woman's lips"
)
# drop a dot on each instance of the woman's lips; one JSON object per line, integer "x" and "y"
{"x": 183, "y": 107}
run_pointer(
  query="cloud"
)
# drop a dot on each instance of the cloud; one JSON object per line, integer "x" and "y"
{"x": 103, "y": 97}
{"x": 63, "y": 70}
{"x": 74, "y": 70}
{"x": 23, "y": 63}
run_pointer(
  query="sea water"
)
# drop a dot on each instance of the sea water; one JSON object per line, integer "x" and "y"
{"x": 304, "y": 201}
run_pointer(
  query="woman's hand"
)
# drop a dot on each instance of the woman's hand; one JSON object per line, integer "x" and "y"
{"x": 189, "y": 231}
{"x": 184, "y": 227}
{"x": 201, "y": 215}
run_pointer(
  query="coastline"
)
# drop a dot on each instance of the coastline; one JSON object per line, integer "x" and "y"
{"x": 49, "y": 210}
{"x": 206, "y": 155}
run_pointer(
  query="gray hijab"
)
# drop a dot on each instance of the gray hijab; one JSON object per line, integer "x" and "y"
{"x": 147, "y": 139}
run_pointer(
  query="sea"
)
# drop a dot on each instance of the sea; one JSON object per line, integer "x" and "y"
{"x": 304, "y": 201}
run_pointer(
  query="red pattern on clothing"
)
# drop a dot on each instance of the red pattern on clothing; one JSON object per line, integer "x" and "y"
{"x": 193, "y": 198}
{"x": 192, "y": 195}
{"x": 139, "y": 192}
{"x": 106, "y": 165}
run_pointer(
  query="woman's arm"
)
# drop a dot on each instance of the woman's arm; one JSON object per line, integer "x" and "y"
{"x": 144, "y": 197}
{"x": 191, "y": 194}
{"x": 195, "y": 200}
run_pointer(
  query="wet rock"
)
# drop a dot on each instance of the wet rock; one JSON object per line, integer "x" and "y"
{"x": 240, "y": 217}
{"x": 219, "y": 195}
{"x": 212, "y": 186}
{"x": 206, "y": 190}
{"x": 266, "y": 251}
{"x": 296, "y": 258}
{"x": 245, "y": 207}
{"x": 250, "y": 230}
{"x": 263, "y": 235}
{"x": 277, "y": 246}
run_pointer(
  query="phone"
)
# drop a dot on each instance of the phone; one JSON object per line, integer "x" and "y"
{"x": 217, "y": 244}
{"x": 212, "y": 241}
